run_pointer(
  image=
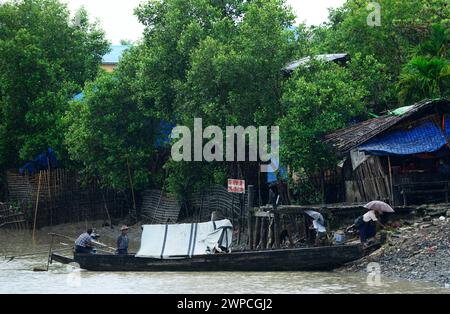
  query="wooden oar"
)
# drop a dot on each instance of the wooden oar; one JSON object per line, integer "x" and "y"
{"x": 31, "y": 254}
{"x": 104, "y": 245}
{"x": 95, "y": 242}
{"x": 61, "y": 236}
{"x": 71, "y": 239}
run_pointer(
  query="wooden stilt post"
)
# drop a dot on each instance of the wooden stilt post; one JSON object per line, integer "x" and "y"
{"x": 251, "y": 228}
{"x": 276, "y": 230}
{"x": 264, "y": 232}
{"x": 270, "y": 231}
{"x": 306, "y": 226}
{"x": 391, "y": 182}
{"x": 257, "y": 238}
{"x": 50, "y": 251}
{"x": 232, "y": 210}
{"x": 250, "y": 219}
{"x": 259, "y": 186}
{"x": 241, "y": 217}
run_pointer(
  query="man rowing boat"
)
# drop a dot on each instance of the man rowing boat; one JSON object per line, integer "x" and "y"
{"x": 84, "y": 244}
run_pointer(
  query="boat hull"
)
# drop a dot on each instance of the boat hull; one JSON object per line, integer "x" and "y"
{"x": 304, "y": 259}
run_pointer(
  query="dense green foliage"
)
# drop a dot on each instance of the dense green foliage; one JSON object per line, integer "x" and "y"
{"x": 427, "y": 75}
{"x": 404, "y": 26}
{"x": 217, "y": 60}
{"x": 399, "y": 62}
{"x": 44, "y": 59}
{"x": 319, "y": 99}
{"x": 110, "y": 132}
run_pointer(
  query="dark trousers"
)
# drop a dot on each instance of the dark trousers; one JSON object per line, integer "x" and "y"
{"x": 367, "y": 230}
{"x": 122, "y": 251}
{"x": 83, "y": 250}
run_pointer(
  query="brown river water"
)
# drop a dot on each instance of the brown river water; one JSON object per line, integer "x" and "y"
{"x": 17, "y": 276}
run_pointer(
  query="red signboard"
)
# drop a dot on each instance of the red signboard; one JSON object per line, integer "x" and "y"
{"x": 236, "y": 186}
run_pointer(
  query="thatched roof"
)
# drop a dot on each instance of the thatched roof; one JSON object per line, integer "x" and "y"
{"x": 344, "y": 140}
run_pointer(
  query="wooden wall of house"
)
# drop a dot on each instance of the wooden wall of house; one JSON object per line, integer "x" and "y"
{"x": 330, "y": 184}
{"x": 370, "y": 181}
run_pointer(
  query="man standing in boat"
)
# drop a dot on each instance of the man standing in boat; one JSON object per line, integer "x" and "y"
{"x": 84, "y": 244}
{"x": 122, "y": 241}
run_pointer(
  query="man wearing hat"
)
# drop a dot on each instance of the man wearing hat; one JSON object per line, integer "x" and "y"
{"x": 122, "y": 241}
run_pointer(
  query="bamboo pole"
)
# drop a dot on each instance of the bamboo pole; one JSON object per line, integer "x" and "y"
{"x": 131, "y": 184}
{"x": 37, "y": 206}
{"x": 106, "y": 209}
{"x": 49, "y": 175}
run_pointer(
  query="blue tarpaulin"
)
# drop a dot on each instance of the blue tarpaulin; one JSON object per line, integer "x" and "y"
{"x": 41, "y": 162}
{"x": 447, "y": 126}
{"x": 164, "y": 132}
{"x": 273, "y": 177}
{"x": 428, "y": 137}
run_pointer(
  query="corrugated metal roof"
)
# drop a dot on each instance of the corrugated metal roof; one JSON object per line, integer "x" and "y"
{"x": 113, "y": 57}
{"x": 325, "y": 57}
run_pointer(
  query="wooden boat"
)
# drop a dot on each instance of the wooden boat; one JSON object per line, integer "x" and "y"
{"x": 301, "y": 259}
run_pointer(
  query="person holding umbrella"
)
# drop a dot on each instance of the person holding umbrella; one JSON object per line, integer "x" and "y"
{"x": 367, "y": 223}
{"x": 318, "y": 225}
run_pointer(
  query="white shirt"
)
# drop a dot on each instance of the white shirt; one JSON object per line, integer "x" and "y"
{"x": 318, "y": 226}
{"x": 370, "y": 216}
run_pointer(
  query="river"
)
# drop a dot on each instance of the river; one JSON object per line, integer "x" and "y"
{"x": 17, "y": 276}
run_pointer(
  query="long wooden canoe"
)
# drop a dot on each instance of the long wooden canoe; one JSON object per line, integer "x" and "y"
{"x": 302, "y": 259}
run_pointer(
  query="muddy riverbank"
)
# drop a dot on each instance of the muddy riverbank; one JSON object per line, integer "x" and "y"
{"x": 416, "y": 250}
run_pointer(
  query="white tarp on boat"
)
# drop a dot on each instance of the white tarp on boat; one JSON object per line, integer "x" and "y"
{"x": 182, "y": 240}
